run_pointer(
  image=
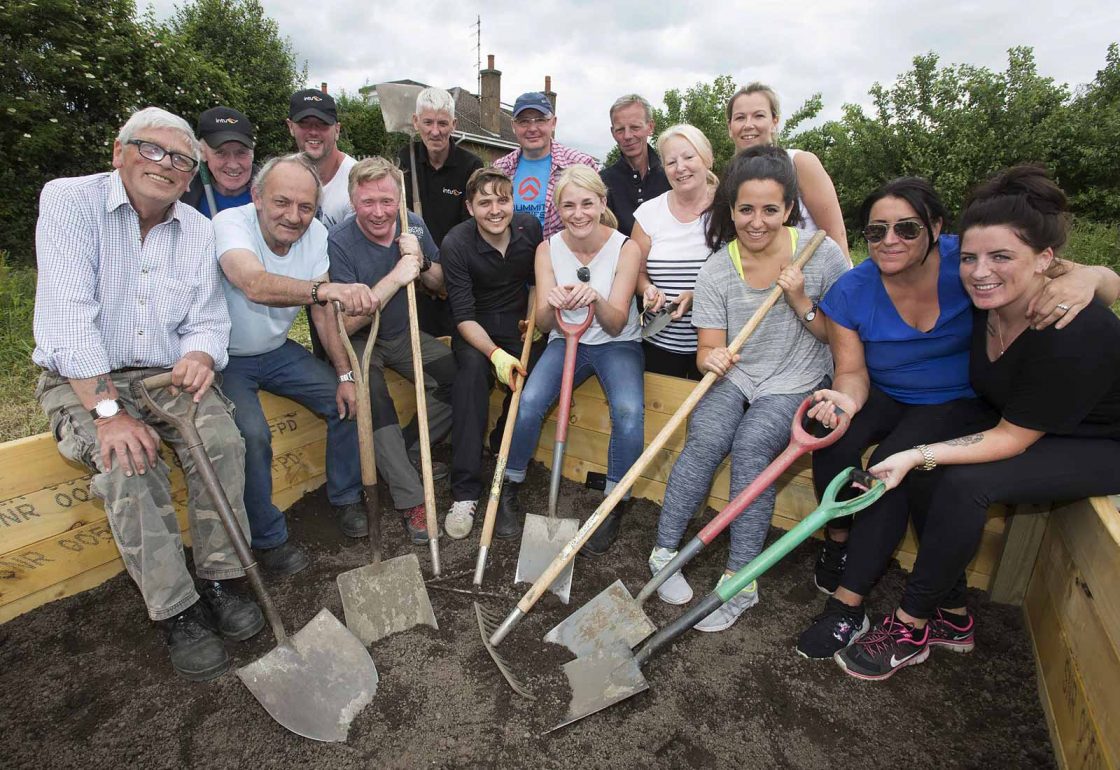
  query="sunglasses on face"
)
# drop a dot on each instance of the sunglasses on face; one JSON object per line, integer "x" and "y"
{"x": 907, "y": 230}
{"x": 155, "y": 153}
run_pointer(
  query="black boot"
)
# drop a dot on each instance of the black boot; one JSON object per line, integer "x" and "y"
{"x": 510, "y": 515}
{"x": 197, "y": 653}
{"x": 232, "y": 615}
{"x": 601, "y": 541}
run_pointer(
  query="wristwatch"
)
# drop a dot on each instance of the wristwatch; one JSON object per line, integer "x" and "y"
{"x": 809, "y": 316}
{"x": 348, "y": 377}
{"x": 929, "y": 461}
{"x": 106, "y": 408}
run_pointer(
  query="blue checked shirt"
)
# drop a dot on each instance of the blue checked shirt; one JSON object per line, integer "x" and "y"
{"x": 106, "y": 301}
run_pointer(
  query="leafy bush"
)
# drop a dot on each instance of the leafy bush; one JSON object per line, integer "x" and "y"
{"x": 19, "y": 414}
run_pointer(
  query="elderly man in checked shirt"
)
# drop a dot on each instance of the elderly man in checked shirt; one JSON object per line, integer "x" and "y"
{"x": 129, "y": 287}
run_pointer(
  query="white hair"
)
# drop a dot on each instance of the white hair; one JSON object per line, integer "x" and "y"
{"x": 295, "y": 159}
{"x": 154, "y": 117}
{"x": 436, "y": 100}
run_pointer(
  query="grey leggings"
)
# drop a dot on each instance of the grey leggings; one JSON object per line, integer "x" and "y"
{"x": 754, "y": 434}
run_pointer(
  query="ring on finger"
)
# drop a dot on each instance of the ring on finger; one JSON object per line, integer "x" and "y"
{"x": 1064, "y": 308}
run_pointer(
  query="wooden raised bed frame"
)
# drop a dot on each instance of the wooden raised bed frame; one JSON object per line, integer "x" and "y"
{"x": 1064, "y": 568}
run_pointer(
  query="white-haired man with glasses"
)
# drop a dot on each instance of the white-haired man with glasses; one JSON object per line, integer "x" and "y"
{"x": 129, "y": 287}
{"x": 536, "y": 165}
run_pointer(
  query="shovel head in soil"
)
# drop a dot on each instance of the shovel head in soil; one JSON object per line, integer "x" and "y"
{"x": 545, "y": 537}
{"x": 316, "y": 682}
{"x": 613, "y": 617}
{"x": 600, "y": 680}
{"x": 384, "y": 598}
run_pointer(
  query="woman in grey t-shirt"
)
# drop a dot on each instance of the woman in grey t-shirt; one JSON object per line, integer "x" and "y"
{"x": 747, "y": 413}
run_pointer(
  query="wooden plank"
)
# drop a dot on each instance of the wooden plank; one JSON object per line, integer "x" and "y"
{"x": 1095, "y": 548}
{"x": 82, "y": 581}
{"x": 1016, "y": 562}
{"x": 1094, "y": 659}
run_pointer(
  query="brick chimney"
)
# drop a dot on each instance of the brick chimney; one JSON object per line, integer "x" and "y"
{"x": 323, "y": 87}
{"x": 491, "y": 98}
{"x": 548, "y": 92}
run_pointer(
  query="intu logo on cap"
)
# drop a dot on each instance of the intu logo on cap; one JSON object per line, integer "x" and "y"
{"x": 225, "y": 120}
{"x": 312, "y": 98}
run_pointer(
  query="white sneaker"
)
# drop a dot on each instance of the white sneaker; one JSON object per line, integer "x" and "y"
{"x": 460, "y": 519}
{"x": 676, "y": 589}
{"x": 725, "y": 617}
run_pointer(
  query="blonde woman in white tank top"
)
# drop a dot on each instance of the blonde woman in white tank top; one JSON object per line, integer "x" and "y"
{"x": 587, "y": 264}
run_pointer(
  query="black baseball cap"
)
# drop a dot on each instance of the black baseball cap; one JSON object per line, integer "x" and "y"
{"x": 219, "y": 125}
{"x": 312, "y": 102}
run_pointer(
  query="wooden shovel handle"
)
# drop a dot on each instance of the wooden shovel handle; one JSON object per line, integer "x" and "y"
{"x": 588, "y": 529}
{"x": 364, "y": 416}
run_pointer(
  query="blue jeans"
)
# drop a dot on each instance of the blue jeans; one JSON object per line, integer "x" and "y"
{"x": 292, "y": 372}
{"x": 619, "y": 367}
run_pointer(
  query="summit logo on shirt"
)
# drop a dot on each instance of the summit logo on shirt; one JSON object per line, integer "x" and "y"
{"x": 529, "y": 189}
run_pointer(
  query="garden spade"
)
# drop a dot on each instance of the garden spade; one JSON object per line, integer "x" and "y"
{"x": 533, "y": 595}
{"x": 546, "y": 536}
{"x": 614, "y": 616}
{"x": 613, "y": 673}
{"x": 398, "y": 104}
{"x": 313, "y": 683}
{"x": 383, "y": 597}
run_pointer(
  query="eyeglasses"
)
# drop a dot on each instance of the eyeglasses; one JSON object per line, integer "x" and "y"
{"x": 526, "y": 122}
{"x": 907, "y": 230}
{"x": 155, "y": 153}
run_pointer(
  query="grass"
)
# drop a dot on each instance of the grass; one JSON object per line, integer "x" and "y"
{"x": 1090, "y": 243}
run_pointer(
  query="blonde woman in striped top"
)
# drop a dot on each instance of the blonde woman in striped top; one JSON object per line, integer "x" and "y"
{"x": 669, "y": 230}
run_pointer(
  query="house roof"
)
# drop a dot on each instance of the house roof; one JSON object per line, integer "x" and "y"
{"x": 468, "y": 111}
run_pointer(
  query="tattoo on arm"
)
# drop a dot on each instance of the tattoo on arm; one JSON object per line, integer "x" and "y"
{"x": 102, "y": 384}
{"x": 975, "y": 438}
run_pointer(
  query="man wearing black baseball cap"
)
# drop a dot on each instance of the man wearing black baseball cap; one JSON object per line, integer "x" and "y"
{"x": 227, "y": 162}
{"x": 313, "y": 123}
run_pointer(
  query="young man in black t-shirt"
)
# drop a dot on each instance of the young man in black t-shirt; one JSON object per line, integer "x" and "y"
{"x": 488, "y": 266}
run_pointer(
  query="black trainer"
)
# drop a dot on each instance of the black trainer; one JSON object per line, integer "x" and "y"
{"x": 234, "y": 616}
{"x": 889, "y": 646}
{"x": 830, "y": 565}
{"x": 284, "y": 559}
{"x": 510, "y": 518}
{"x": 603, "y": 538}
{"x": 352, "y": 519}
{"x": 833, "y": 630}
{"x": 197, "y": 653}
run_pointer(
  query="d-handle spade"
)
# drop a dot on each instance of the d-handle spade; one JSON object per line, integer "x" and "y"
{"x": 614, "y": 616}
{"x": 313, "y": 683}
{"x": 533, "y": 595}
{"x": 613, "y": 674}
{"x": 517, "y": 383}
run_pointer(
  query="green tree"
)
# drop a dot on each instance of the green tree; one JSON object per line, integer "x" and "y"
{"x": 702, "y": 105}
{"x": 74, "y": 71}
{"x": 237, "y": 37}
{"x": 363, "y": 129}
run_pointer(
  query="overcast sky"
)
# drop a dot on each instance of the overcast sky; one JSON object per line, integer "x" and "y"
{"x": 597, "y": 51}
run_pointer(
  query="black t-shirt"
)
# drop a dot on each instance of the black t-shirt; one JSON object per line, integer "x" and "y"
{"x": 1064, "y": 382}
{"x": 481, "y": 283}
{"x": 442, "y": 191}
{"x": 626, "y": 190}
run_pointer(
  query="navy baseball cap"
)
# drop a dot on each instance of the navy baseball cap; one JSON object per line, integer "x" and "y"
{"x": 219, "y": 125}
{"x": 534, "y": 100}
{"x": 312, "y": 102}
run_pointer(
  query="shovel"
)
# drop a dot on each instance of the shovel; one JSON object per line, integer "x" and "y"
{"x": 652, "y": 322}
{"x": 614, "y": 616}
{"x": 503, "y": 450}
{"x": 398, "y": 104}
{"x": 383, "y": 597}
{"x": 613, "y": 673}
{"x": 568, "y": 553}
{"x": 313, "y": 683}
{"x": 545, "y": 536}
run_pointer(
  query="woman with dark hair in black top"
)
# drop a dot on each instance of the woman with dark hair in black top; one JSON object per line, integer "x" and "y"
{"x": 1055, "y": 428}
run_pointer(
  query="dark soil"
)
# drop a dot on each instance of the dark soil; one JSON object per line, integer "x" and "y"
{"x": 87, "y": 683}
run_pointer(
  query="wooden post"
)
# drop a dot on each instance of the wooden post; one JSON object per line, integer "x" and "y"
{"x": 1020, "y": 550}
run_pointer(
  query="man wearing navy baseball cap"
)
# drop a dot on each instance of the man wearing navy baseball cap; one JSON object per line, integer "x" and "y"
{"x": 313, "y": 123}
{"x": 227, "y": 162}
{"x": 536, "y": 164}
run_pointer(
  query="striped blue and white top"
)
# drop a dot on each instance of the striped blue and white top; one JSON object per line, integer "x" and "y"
{"x": 676, "y": 254}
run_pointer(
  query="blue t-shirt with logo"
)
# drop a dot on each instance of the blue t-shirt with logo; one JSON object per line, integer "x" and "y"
{"x": 224, "y": 202}
{"x": 530, "y": 186}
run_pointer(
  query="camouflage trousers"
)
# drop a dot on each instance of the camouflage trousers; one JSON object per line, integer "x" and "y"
{"x": 140, "y": 508}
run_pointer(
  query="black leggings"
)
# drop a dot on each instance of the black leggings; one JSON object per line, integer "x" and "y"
{"x": 894, "y": 426}
{"x": 662, "y": 361}
{"x": 1055, "y": 468}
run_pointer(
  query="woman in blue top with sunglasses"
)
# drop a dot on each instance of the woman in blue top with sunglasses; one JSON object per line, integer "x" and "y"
{"x": 899, "y": 326}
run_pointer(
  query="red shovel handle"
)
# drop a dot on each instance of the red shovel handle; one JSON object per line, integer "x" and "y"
{"x": 800, "y": 442}
{"x": 572, "y": 334}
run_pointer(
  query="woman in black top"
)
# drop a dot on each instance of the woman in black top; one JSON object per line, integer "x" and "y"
{"x": 1055, "y": 431}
